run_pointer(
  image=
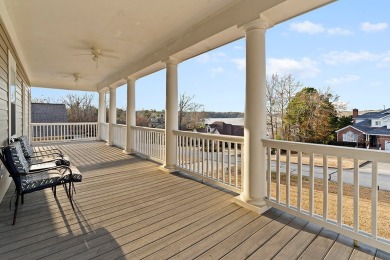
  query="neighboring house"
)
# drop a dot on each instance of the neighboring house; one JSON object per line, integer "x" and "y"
{"x": 371, "y": 129}
{"x": 157, "y": 121}
{"x": 222, "y": 128}
{"x": 48, "y": 113}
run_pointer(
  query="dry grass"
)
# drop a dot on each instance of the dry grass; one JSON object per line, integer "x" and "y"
{"x": 347, "y": 212}
{"x": 318, "y": 160}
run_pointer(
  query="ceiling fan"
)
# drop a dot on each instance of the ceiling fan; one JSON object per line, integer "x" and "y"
{"x": 97, "y": 54}
{"x": 76, "y": 77}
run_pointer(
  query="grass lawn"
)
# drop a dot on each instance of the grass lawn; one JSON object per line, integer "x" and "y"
{"x": 364, "y": 202}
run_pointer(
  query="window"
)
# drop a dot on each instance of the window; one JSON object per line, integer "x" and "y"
{"x": 378, "y": 123}
{"x": 11, "y": 95}
{"x": 350, "y": 137}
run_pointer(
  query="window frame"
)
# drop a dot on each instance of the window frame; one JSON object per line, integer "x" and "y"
{"x": 11, "y": 88}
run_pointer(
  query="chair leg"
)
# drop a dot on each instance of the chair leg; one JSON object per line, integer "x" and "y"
{"x": 16, "y": 208}
{"x": 22, "y": 198}
{"x": 55, "y": 191}
{"x": 69, "y": 194}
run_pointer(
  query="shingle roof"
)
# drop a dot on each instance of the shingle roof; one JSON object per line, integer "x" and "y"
{"x": 365, "y": 126}
{"x": 48, "y": 113}
{"x": 374, "y": 115}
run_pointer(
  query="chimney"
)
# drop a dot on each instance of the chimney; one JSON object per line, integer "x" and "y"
{"x": 355, "y": 113}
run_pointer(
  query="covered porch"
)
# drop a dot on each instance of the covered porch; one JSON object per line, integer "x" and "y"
{"x": 156, "y": 212}
{"x": 126, "y": 208}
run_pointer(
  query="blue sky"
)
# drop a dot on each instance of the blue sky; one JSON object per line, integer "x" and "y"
{"x": 344, "y": 46}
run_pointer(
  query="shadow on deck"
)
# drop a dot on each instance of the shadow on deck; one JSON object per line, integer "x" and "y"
{"x": 127, "y": 208}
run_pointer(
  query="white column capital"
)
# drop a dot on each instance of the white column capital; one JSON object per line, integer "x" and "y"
{"x": 259, "y": 24}
{"x": 113, "y": 86}
{"x": 172, "y": 61}
{"x": 130, "y": 79}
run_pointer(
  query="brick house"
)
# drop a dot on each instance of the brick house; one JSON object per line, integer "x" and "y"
{"x": 371, "y": 129}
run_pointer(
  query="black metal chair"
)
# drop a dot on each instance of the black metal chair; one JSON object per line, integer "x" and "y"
{"x": 27, "y": 182}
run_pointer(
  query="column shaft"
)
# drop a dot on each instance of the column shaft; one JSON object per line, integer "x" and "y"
{"x": 112, "y": 117}
{"x": 130, "y": 114}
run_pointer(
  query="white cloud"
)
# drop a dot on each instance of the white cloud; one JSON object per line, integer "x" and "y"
{"x": 315, "y": 28}
{"x": 343, "y": 79}
{"x": 338, "y": 31}
{"x": 211, "y": 57}
{"x": 307, "y": 27}
{"x": 240, "y": 63}
{"x": 345, "y": 57}
{"x": 373, "y": 27}
{"x": 238, "y": 47}
{"x": 217, "y": 70}
{"x": 304, "y": 68}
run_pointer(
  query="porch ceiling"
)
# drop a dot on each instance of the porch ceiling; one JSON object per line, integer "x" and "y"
{"x": 52, "y": 37}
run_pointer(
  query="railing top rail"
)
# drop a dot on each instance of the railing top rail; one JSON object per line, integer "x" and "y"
{"x": 143, "y": 128}
{"x": 228, "y": 138}
{"x": 119, "y": 125}
{"x": 77, "y": 123}
{"x": 347, "y": 152}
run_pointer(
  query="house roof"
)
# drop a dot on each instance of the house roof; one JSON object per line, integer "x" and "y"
{"x": 48, "y": 113}
{"x": 366, "y": 128}
{"x": 375, "y": 115}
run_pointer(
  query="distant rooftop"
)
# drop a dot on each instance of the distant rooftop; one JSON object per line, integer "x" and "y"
{"x": 48, "y": 113}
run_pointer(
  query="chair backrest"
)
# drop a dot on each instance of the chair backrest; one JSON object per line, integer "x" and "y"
{"x": 19, "y": 160}
{"x": 26, "y": 147}
{"x": 8, "y": 161}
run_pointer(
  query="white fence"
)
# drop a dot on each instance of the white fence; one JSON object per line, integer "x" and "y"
{"x": 149, "y": 142}
{"x": 214, "y": 158}
{"x": 45, "y": 132}
{"x": 104, "y": 131}
{"x": 311, "y": 199}
{"x": 119, "y": 138}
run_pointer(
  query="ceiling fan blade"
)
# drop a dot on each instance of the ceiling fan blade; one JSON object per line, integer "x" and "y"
{"x": 110, "y": 56}
{"x": 83, "y": 54}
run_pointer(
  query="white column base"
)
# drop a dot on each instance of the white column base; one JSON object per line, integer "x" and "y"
{"x": 167, "y": 169}
{"x": 258, "y": 207}
{"x": 130, "y": 151}
{"x": 109, "y": 144}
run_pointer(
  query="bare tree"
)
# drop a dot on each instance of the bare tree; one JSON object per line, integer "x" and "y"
{"x": 191, "y": 114}
{"x": 280, "y": 91}
{"x": 79, "y": 108}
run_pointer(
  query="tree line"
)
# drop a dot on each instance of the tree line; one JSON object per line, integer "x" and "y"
{"x": 294, "y": 112}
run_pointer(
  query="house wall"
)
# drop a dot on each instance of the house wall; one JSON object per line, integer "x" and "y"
{"x": 382, "y": 140}
{"x": 21, "y": 78}
{"x": 361, "y": 137}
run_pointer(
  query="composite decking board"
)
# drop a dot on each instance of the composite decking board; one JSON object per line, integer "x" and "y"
{"x": 321, "y": 245}
{"x": 64, "y": 231}
{"x": 363, "y": 252}
{"x": 216, "y": 219}
{"x": 42, "y": 228}
{"x": 245, "y": 245}
{"x": 299, "y": 243}
{"x": 196, "y": 236}
{"x": 112, "y": 241}
{"x": 341, "y": 249}
{"x": 206, "y": 243}
{"x": 128, "y": 245}
{"x": 28, "y": 212}
{"x": 127, "y": 208}
{"x": 276, "y": 243}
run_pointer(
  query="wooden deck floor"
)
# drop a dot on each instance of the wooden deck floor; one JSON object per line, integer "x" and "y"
{"x": 126, "y": 208}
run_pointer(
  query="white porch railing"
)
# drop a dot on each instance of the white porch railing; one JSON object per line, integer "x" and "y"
{"x": 119, "y": 135}
{"x": 213, "y": 158}
{"x": 104, "y": 131}
{"x": 149, "y": 142}
{"x": 306, "y": 195}
{"x": 45, "y": 132}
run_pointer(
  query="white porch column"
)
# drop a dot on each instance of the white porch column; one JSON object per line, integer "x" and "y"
{"x": 171, "y": 115}
{"x": 112, "y": 117}
{"x": 130, "y": 115}
{"x": 255, "y": 128}
{"x": 101, "y": 113}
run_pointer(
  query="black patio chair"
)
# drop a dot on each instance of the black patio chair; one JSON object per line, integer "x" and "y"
{"x": 38, "y": 162}
{"x": 27, "y": 182}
